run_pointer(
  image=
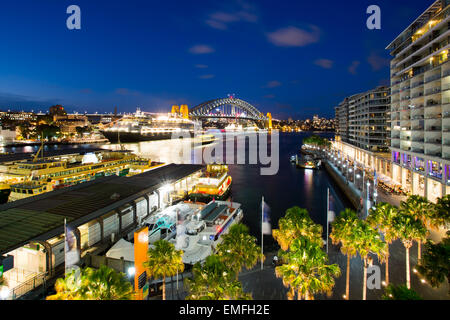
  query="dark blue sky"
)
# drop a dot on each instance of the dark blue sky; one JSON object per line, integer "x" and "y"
{"x": 293, "y": 58}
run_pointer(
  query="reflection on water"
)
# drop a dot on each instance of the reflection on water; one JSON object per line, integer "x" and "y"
{"x": 289, "y": 187}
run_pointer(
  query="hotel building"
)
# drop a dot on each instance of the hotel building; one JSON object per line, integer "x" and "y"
{"x": 420, "y": 104}
{"x": 363, "y": 129}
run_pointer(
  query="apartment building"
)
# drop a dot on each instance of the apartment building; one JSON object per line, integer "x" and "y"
{"x": 420, "y": 103}
{"x": 363, "y": 131}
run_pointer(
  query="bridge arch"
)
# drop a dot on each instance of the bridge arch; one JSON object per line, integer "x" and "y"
{"x": 208, "y": 109}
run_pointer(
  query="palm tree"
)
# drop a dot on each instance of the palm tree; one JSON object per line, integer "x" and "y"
{"x": 239, "y": 249}
{"x": 441, "y": 213}
{"x": 67, "y": 288}
{"x": 409, "y": 229}
{"x": 368, "y": 241}
{"x": 214, "y": 281}
{"x": 105, "y": 284}
{"x": 400, "y": 293}
{"x": 296, "y": 223}
{"x": 93, "y": 284}
{"x": 306, "y": 270}
{"x": 435, "y": 266}
{"x": 342, "y": 232}
{"x": 381, "y": 218}
{"x": 421, "y": 209}
{"x": 164, "y": 261}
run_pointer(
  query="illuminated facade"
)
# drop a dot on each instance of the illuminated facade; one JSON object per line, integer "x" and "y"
{"x": 420, "y": 103}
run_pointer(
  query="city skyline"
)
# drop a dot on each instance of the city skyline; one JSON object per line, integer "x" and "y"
{"x": 294, "y": 60}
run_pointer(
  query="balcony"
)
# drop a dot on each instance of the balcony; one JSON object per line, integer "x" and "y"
{"x": 431, "y": 103}
{"x": 419, "y": 140}
{"x": 437, "y": 154}
{"x": 418, "y": 84}
{"x": 434, "y": 141}
{"x": 434, "y": 129}
{"x": 432, "y": 91}
{"x": 432, "y": 78}
{"x": 417, "y": 150}
{"x": 417, "y": 95}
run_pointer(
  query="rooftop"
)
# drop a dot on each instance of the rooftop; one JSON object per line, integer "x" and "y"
{"x": 42, "y": 217}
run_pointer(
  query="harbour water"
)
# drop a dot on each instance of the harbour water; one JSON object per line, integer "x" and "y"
{"x": 289, "y": 187}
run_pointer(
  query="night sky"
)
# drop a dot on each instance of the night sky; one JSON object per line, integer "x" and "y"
{"x": 292, "y": 58}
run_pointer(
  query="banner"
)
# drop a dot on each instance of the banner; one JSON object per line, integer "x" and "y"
{"x": 71, "y": 251}
{"x": 266, "y": 225}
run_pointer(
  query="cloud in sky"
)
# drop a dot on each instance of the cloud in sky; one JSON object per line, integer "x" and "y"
{"x": 377, "y": 62}
{"x": 353, "y": 67}
{"x": 273, "y": 84}
{"x": 294, "y": 37}
{"x": 201, "y": 66}
{"x": 207, "y": 76}
{"x": 126, "y": 92}
{"x": 201, "y": 49}
{"x": 221, "y": 19}
{"x": 324, "y": 63}
{"x": 269, "y": 96}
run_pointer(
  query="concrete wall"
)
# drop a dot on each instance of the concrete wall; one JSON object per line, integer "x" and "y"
{"x": 353, "y": 197}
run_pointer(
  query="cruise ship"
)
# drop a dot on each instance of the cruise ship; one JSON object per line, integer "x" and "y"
{"x": 142, "y": 126}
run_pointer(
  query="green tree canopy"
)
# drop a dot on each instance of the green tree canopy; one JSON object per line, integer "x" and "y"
{"x": 93, "y": 284}
{"x": 400, "y": 292}
{"x": 214, "y": 281}
{"x": 238, "y": 249}
{"x": 294, "y": 224}
{"x": 435, "y": 263}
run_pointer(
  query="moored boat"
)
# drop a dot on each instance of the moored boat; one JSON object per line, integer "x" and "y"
{"x": 214, "y": 183}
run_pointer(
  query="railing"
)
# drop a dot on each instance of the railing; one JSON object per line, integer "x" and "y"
{"x": 417, "y": 95}
{"x": 417, "y": 84}
{"x": 28, "y": 285}
{"x": 432, "y": 78}
{"x": 432, "y": 91}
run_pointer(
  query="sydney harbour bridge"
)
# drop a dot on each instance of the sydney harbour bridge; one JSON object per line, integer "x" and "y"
{"x": 230, "y": 109}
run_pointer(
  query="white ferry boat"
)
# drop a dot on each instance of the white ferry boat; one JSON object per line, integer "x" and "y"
{"x": 194, "y": 228}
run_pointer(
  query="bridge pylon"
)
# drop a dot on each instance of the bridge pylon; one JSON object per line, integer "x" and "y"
{"x": 269, "y": 120}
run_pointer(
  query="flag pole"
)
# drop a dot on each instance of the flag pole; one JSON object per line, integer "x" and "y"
{"x": 262, "y": 234}
{"x": 328, "y": 208}
{"x": 65, "y": 245}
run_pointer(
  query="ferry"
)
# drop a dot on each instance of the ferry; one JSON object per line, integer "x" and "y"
{"x": 309, "y": 163}
{"x": 142, "y": 126}
{"x": 214, "y": 183}
{"x": 32, "y": 177}
{"x": 199, "y": 234}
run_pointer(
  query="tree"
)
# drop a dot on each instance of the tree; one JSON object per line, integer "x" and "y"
{"x": 164, "y": 261}
{"x": 368, "y": 241}
{"x": 214, "y": 281}
{"x": 342, "y": 233}
{"x": 105, "y": 284}
{"x": 421, "y": 209}
{"x": 93, "y": 284}
{"x": 306, "y": 270}
{"x": 296, "y": 223}
{"x": 435, "y": 264}
{"x": 239, "y": 249}
{"x": 440, "y": 216}
{"x": 400, "y": 292}
{"x": 409, "y": 229}
{"x": 381, "y": 218}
